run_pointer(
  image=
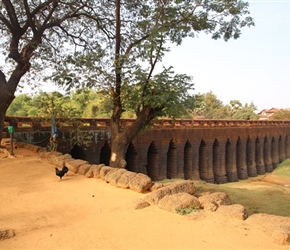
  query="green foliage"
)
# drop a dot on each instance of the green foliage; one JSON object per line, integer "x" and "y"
{"x": 188, "y": 210}
{"x": 246, "y": 112}
{"x": 208, "y": 106}
{"x": 45, "y": 33}
{"x": 86, "y": 103}
{"x": 283, "y": 169}
{"x": 165, "y": 92}
{"x": 281, "y": 115}
{"x": 123, "y": 61}
{"x": 90, "y": 103}
{"x": 21, "y": 106}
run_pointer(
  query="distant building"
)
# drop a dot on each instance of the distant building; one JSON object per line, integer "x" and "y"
{"x": 265, "y": 114}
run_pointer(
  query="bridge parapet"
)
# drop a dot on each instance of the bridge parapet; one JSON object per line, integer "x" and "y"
{"x": 35, "y": 123}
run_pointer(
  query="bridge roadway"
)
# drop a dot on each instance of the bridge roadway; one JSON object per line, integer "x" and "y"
{"x": 216, "y": 151}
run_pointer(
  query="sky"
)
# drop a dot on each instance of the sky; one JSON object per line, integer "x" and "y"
{"x": 254, "y": 68}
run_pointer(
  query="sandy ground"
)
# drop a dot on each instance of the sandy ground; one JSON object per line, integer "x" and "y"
{"x": 82, "y": 213}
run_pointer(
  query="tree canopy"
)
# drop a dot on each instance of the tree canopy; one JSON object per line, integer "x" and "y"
{"x": 115, "y": 46}
{"x": 282, "y": 114}
{"x": 89, "y": 103}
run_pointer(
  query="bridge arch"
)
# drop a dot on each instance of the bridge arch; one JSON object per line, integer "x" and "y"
{"x": 105, "y": 153}
{"x": 132, "y": 158}
{"x": 78, "y": 152}
{"x": 153, "y": 162}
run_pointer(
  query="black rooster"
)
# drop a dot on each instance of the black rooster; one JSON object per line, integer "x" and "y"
{"x": 62, "y": 172}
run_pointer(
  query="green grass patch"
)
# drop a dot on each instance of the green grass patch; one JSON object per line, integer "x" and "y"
{"x": 272, "y": 199}
{"x": 185, "y": 211}
{"x": 254, "y": 195}
{"x": 283, "y": 169}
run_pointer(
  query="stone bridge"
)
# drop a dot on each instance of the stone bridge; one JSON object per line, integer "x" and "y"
{"x": 216, "y": 151}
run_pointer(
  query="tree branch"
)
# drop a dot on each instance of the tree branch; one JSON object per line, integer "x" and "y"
{"x": 12, "y": 15}
{"x": 2, "y": 78}
{"x": 6, "y": 22}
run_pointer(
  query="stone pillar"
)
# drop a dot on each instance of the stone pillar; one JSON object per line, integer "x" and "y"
{"x": 205, "y": 162}
{"x": 172, "y": 161}
{"x": 250, "y": 158}
{"x": 267, "y": 156}
{"x": 241, "y": 150}
{"x": 188, "y": 161}
{"x": 260, "y": 156}
{"x": 275, "y": 152}
{"x": 281, "y": 149}
{"x": 195, "y": 160}
{"x": 219, "y": 166}
{"x": 230, "y": 161}
{"x": 287, "y": 147}
{"x": 180, "y": 160}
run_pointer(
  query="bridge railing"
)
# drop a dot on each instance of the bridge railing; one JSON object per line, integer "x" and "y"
{"x": 35, "y": 123}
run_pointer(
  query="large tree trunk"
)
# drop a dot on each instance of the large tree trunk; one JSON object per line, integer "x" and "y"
{"x": 6, "y": 97}
{"x": 118, "y": 151}
{"x": 5, "y": 102}
{"x": 121, "y": 139}
{"x": 7, "y": 90}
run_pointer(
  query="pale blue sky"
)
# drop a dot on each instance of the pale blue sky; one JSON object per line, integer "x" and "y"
{"x": 256, "y": 67}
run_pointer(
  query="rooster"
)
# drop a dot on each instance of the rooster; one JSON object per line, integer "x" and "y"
{"x": 62, "y": 172}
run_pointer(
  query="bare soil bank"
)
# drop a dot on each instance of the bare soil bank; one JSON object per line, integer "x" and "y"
{"x": 82, "y": 213}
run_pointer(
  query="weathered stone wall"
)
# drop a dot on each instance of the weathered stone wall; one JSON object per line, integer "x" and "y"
{"x": 216, "y": 151}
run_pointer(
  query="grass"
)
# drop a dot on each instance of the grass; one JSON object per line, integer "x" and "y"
{"x": 283, "y": 169}
{"x": 256, "y": 196}
{"x": 270, "y": 199}
{"x": 185, "y": 211}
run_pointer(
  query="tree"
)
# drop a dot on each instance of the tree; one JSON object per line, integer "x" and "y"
{"x": 208, "y": 106}
{"x": 134, "y": 42}
{"x": 54, "y": 105}
{"x": 33, "y": 33}
{"x": 92, "y": 103}
{"x": 245, "y": 112}
{"x": 129, "y": 40}
{"x": 235, "y": 105}
{"x": 282, "y": 114}
{"x": 20, "y": 106}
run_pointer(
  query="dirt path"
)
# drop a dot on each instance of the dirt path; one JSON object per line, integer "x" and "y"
{"x": 81, "y": 213}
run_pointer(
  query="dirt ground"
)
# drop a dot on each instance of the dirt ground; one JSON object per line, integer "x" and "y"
{"x": 82, "y": 213}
